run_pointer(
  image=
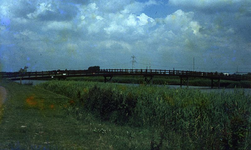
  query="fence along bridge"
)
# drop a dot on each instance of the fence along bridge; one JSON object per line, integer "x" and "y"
{"x": 109, "y": 73}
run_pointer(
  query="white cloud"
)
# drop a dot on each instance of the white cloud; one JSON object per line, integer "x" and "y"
{"x": 134, "y": 26}
{"x": 203, "y": 3}
{"x": 141, "y": 20}
{"x": 233, "y": 7}
{"x": 195, "y": 27}
{"x": 101, "y": 31}
{"x": 21, "y": 21}
{"x": 137, "y": 7}
{"x": 42, "y": 8}
{"x": 131, "y": 20}
{"x": 112, "y": 6}
{"x": 181, "y": 22}
{"x": 47, "y": 11}
{"x": 92, "y": 6}
{"x": 179, "y": 17}
{"x": 5, "y": 8}
{"x": 27, "y": 35}
{"x": 110, "y": 43}
{"x": 115, "y": 28}
{"x": 151, "y": 2}
{"x": 144, "y": 19}
{"x": 57, "y": 25}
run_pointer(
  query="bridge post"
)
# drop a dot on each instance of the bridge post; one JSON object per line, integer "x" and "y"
{"x": 148, "y": 80}
{"x": 184, "y": 80}
{"x": 107, "y": 78}
{"x": 217, "y": 83}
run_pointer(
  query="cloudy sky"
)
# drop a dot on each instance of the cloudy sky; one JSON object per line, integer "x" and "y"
{"x": 161, "y": 34}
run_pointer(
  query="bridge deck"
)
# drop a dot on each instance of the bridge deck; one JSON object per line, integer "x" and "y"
{"x": 117, "y": 72}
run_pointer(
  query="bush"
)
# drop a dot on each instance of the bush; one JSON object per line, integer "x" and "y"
{"x": 110, "y": 104}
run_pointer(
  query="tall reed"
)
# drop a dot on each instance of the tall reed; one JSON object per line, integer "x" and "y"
{"x": 181, "y": 117}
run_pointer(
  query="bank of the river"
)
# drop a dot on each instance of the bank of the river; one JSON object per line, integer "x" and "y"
{"x": 173, "y": 115}
{"x": 206, "y": 89}
{"x": 3, "y": 95}
{"x": 31, "y": 82}
{"x": 246, "y": 85}
{"x": 113, "y": 116}
{"x": 160, "y": 80}
{"x": 35, "y": 118}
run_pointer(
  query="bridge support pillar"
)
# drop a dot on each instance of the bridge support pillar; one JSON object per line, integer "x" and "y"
{"x": 108, "y": 78}
{"x": 148, "y": 79}
{"x": 184, "y": 80}
{"x": 215, "y": 83}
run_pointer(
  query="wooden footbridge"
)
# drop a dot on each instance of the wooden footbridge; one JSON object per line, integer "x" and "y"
{"x": 148, "y": 74}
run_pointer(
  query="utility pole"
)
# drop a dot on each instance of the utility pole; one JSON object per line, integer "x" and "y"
{"x": 193, "y": 63}
{"x": 133, "y": 61}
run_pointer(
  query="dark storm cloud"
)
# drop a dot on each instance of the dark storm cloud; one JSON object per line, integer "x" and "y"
{"x": 22, "y": 8}
{"x": 54, "y": 12}
{"x": 220, "y": 17}
{"x": 58, "y": 14}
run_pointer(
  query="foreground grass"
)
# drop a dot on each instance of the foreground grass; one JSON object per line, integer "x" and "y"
{"x": 108, "y": 116}
{"x": 174, "y": 118}
{"x": 34, "y": 118}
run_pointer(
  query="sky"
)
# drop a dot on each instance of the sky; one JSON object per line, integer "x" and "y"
{"x": 199, "y": 35}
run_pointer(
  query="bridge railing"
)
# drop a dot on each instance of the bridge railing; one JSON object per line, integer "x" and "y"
{"x": 150, "y": 71}
{"x": 17, "y": 75}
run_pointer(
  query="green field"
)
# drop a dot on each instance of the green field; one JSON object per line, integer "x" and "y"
{"x": 89, "y": 115}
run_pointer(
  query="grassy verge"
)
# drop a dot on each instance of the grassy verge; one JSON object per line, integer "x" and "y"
{"x": 173, "y": 118}
{"x": 34, "y": 118}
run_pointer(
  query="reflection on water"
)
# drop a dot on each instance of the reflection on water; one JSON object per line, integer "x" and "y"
{"x": 206, "y": 89}
{"x": 209, "y": 89}
{"x": 31, "y": 82}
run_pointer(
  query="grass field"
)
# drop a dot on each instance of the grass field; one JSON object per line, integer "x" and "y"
{"x": 88, "y": 115}
{"x": 34, "y": 118}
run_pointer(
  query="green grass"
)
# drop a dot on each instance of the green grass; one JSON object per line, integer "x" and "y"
{"x": 88, "y": 115}
{"x": 175, "y": 118}
{"x": 34, "y": 118}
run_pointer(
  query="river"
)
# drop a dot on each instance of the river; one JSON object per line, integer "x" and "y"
{"x": 31, "y": 82}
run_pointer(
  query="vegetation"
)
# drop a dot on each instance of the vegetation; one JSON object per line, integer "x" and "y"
{"x": 165, "y": 81}
{"x": 168, "y": 118}
{"x": 34, "y": 118}
{"x": 88, "y": 115}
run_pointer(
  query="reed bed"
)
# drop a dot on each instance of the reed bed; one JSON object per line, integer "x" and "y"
{"x": 177, "y": 118}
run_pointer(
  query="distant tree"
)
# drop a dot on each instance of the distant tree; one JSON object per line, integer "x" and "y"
{"x": 21, "y": 72}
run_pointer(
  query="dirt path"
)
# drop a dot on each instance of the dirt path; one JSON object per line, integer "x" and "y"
{"x": 3, "y": 95}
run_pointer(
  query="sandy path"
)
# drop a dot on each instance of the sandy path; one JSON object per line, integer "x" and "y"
{"x": 3, "y": 95}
